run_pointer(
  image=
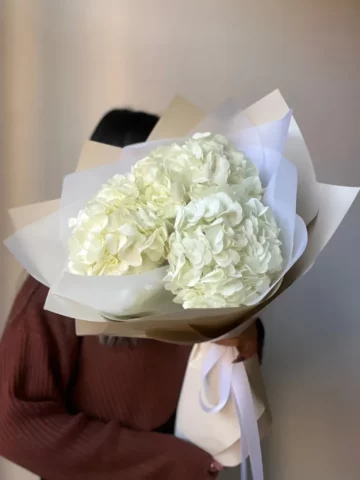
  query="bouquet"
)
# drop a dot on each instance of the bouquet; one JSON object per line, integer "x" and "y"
{"x": 184, "y": 239}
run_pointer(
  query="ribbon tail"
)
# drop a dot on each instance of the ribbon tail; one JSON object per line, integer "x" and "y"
{"x": 215, "y": 358}
{"x": 250, "y": 438}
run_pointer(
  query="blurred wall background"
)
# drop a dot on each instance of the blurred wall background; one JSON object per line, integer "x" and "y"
{"x": 65, "y": 63}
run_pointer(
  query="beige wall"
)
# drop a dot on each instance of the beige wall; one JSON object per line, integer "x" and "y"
{"x": 66, "y": 62}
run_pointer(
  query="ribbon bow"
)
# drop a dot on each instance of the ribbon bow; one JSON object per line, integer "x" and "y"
{"x": 233, "y": 380}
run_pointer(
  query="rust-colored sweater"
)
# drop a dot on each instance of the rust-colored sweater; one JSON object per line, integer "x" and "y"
{"x": 73, "y": 409}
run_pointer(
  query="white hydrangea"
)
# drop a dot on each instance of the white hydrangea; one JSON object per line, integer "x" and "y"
{"x": 115, "y": 235}
{"x": 223, "y": 253}
{"x": 172, "y": 175}
{"x": 224, "y": 247}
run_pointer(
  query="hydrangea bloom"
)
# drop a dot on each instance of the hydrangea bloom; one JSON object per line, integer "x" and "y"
{"x": 172, "y": 175}
{"x": 223, "y": 253}
{"x": 115, "y": 235}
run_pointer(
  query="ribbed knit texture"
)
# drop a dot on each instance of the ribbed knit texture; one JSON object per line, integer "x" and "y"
{"x": 73, "y": 409}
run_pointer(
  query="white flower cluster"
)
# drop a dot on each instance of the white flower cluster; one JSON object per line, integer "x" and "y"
{"x": 115, "y": 234}
{"x": 222, "y": 252}
{"x": 196, "y": 207}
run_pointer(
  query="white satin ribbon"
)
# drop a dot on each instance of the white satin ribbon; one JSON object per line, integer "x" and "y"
{"x": 233, "y": 379}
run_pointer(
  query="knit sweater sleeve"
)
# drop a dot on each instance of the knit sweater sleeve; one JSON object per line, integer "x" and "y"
{"x": 37, "y": 358}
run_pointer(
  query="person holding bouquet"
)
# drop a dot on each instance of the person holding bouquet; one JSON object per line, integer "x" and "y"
{"x": 89, "y": 408}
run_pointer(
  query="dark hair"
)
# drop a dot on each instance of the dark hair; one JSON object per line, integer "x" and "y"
{"x": 124, "y": 127}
